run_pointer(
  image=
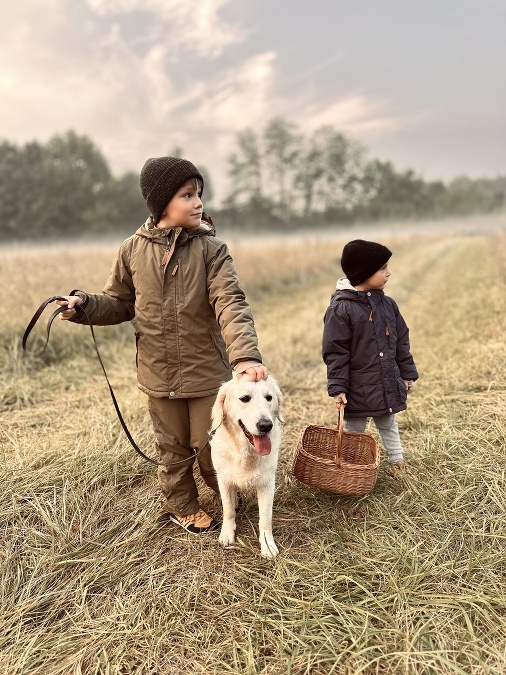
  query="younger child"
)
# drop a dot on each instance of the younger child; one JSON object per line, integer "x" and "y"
{"x": 370, "y": 369}
{"x": 176, "y": 282}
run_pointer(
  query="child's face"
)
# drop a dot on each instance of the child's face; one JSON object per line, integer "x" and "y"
{"x": 377, "y": 282}
{"x": 184, "y": 209}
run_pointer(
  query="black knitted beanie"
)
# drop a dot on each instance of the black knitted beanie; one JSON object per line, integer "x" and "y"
{"x": 361, "y": 259}
{"x": 161, "y": 178}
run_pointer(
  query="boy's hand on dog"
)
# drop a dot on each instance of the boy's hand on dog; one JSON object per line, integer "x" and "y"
{"x": 255, "y": 373}
{"x": 71, "y": 301}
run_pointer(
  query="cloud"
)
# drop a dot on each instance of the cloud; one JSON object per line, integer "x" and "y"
{"x": 239, "y": 98}
{"x": 197, "y": 28}
{"x": 360, "y": 116}
{"x": 82, "y": 71}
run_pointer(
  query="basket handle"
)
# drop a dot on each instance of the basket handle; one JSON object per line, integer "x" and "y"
{"x": 340, "y": 434}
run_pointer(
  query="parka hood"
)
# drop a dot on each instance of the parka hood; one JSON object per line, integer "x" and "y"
{"x": 149, "y": 231}
{"x": 345, "y": 291}
{"x": 343, "y": 283}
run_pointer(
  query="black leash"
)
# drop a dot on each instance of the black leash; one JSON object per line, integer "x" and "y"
{"x": 53, "y": 316}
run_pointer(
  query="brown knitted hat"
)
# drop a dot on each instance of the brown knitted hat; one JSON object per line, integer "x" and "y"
{"x": 361, "y": 259}
{"x": 161, "y": 178}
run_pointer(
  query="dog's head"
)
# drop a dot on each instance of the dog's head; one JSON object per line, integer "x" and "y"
{"x": 251, "y": 408}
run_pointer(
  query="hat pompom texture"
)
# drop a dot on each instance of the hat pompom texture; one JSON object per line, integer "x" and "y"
{"x": 361, "y": 259}
{"x": 161, "y": 178}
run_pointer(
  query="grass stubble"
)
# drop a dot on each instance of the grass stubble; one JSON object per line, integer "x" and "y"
{"x": 410, "y": 579}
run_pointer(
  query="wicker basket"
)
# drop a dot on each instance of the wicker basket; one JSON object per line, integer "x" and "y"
{"x": 332, "y": 459}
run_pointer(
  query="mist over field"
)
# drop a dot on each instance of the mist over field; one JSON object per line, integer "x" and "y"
{"x": 278, "y": 180}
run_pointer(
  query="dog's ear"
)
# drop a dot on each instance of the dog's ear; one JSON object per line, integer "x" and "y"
{"x": 218, "y": 409}
{"x": 279, "y": 399}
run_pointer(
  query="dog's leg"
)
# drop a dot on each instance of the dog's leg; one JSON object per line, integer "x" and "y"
{"x": 265, "y": 495}
{"x": 227, "y": 492}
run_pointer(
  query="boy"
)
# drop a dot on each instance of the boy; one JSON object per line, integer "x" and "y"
{"x": 370, "y": 369}
{"x": 176, "y": 282}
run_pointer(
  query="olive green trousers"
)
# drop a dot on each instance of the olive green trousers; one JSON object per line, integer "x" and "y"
{"x": 178, "y": 423}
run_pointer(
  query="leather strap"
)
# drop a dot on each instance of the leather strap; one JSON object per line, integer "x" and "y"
{"x": 134, "y": 445}
{"x": 35, "y": 318}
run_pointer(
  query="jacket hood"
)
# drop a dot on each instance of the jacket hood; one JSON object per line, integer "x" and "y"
{"x": 149, "y": 231}
{"x": 345, "y": 291}
{"x": 344, "y": 284}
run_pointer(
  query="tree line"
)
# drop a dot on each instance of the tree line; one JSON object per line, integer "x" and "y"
{"x": 281, "y": 176}
{"x": 277, "y": 177}
{"x": 63, "y": 187}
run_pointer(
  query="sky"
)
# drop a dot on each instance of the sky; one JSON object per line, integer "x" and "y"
{"x": 421, "y": 83}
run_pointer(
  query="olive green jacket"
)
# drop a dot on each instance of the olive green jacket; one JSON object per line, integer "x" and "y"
{"x": 191, "y": 318}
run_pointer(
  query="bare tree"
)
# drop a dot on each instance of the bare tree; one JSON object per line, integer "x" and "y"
{"x": 245, "y": 168}
{"x": 282, "y": 148}
{"x": 311, "y": 169}
{"x": 341, "y": 184}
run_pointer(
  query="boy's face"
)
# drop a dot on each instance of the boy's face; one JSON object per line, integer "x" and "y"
{"x": 377, "y": 282}
{"x": 184, "y": 209}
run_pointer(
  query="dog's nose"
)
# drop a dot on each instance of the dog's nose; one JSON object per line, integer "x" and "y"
{"x": 264, "y": 425}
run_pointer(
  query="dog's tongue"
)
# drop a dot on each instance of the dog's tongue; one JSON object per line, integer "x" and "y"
{"x": 262, "y": 444}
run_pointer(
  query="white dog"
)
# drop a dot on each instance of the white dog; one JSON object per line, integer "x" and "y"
{"x": 247, "y": 419}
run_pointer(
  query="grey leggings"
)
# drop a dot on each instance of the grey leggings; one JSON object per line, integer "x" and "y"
{"x": 388, "y": 431}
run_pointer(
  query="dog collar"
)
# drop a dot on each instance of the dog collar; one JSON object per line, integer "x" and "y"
{"x": 246, "y": 433}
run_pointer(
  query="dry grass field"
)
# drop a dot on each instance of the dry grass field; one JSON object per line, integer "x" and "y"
{"x": 409, "y": 579}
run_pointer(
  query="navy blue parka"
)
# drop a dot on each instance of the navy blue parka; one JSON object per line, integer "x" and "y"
{"x": 366, "y": 349}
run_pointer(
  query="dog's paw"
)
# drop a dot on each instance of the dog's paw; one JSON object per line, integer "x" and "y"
{"x": 227, "y": 536}
{"x": 268, "y": 547}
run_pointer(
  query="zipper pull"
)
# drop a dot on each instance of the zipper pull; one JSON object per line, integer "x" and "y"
{"x": 170, "y": 237}
{"x": 175, "y": 270}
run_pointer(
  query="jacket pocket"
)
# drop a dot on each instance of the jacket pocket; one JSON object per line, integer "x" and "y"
{"x": 219, "y": 349}
{"x": 402, "y": 389}
{"x": 366, "y": 392}
{"x": 137, "y": 338}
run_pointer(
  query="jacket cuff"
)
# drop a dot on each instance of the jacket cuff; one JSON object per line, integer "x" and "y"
{"x": 79, "y": 315}
{"x": 242, "y": 366}
{"x": 335, "y": 388}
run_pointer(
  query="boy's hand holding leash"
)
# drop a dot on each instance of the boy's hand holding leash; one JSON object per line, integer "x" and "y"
{"x": 72, "y": 301}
